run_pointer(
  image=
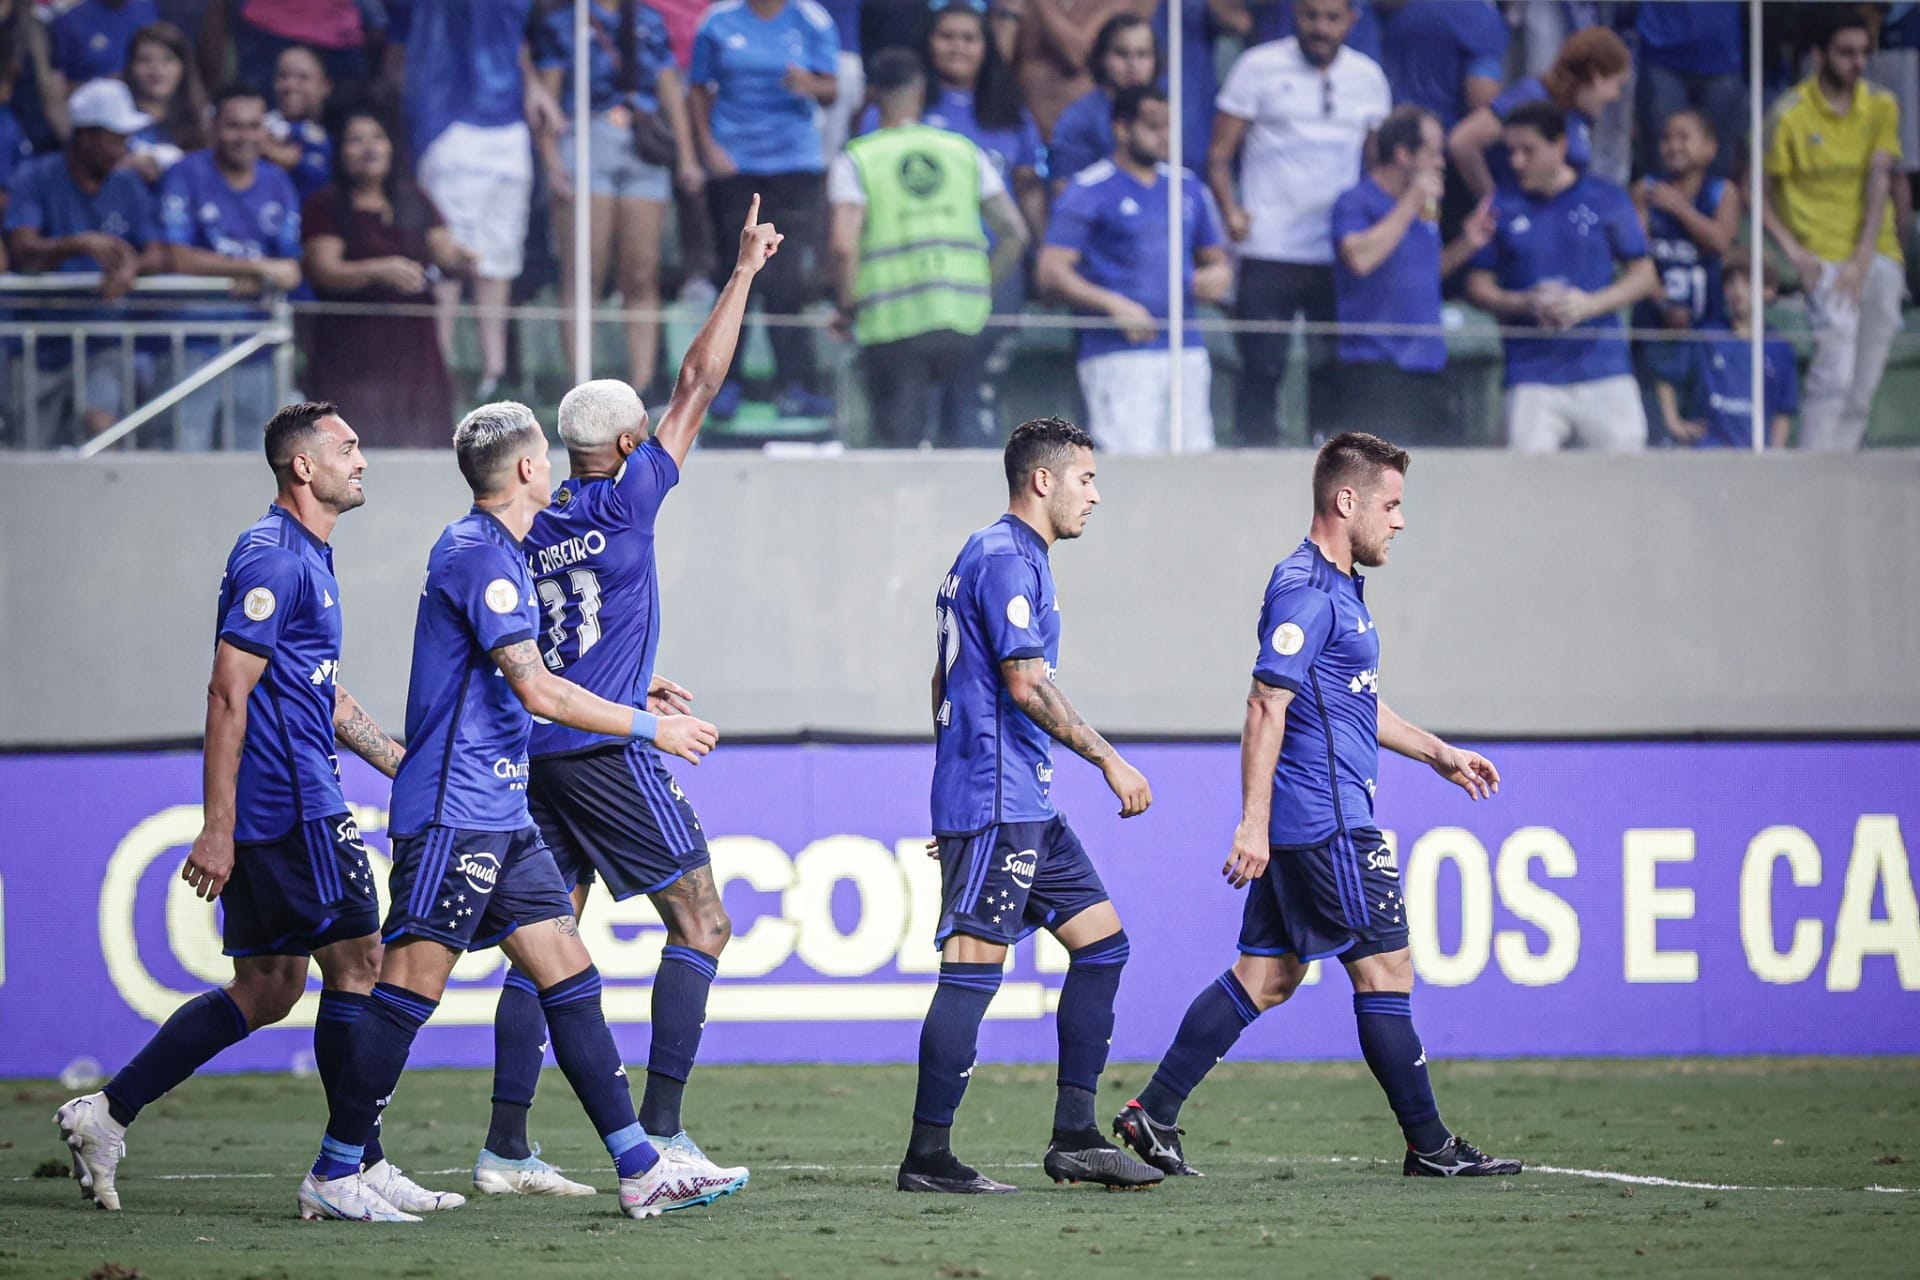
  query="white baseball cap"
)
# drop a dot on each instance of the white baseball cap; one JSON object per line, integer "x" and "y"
{"x": 106, "y": 104}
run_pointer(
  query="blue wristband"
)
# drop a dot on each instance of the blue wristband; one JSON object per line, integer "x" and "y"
{"x": 645, "y": 725}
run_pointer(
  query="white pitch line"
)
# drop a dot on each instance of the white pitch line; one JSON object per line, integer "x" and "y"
{"x": 1605, "y": 1175}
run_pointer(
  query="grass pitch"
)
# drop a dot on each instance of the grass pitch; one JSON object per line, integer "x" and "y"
{"x": 1303, "y": 1163}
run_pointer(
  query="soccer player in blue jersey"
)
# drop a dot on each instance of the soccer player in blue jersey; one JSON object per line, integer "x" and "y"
{"x": 469, "y": 866}
{"x": 1009, "y": 863}
{"x": 606, "y": 805}
{"x": 1321, "y": 882}
{"x": 278, "y": 847}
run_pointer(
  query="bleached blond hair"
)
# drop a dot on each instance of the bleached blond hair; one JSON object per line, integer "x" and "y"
{"x": 594, "y": 414}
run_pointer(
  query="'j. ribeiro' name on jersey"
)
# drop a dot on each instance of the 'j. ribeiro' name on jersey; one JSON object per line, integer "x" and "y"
{"x": 1318, "y": 640}
{"x": 591, "y": 554}
{"x": 992, "y": 764}
{"x": 466, "y": 761}
{"x": 280, "y": 601}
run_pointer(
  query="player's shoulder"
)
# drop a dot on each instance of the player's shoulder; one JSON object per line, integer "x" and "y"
{"x": 720, "y": 16}
{"x": 1305, "y": 574}
{"x": 1096, "y": 175}
{"x": 815, "y": 15}
{"x": 474, "y": 538}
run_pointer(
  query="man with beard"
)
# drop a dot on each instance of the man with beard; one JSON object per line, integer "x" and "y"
{"x": 1321, "y": 882}
{"x": 1009, "y": 863}
{"x": 1106, "y": 255}
{"x": 278, "y": 844}
{"x": 1294, "y": 115}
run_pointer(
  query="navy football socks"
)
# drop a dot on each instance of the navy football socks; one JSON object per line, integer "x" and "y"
{"x": 1207, "y": 1034}
{"x": 380, "y": 1040}
{"x": 584, "y": 1048}
{"x": 332, "y": 1041}
{"x": 519, "y": 1033}
{"x": 948, "y": 1041}
{"x": 1398, "y": 1061}
{"x": 187, "y": 1041}
{"x": 1085, "y": 1025}
{"x": 679, "y": 1012}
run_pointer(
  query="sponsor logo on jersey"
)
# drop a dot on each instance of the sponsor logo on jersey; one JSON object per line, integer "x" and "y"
{"x": 1367, "y": 681}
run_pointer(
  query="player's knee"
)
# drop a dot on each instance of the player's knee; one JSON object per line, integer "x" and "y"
{"x": 267, "y": 996}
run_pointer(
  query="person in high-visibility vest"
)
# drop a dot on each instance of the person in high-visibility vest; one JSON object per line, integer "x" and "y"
{"x": 923, "y": 228}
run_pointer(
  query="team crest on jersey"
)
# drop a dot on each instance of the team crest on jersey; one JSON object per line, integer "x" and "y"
{"x": 1019, "y": 612}
{"x": 1021, "y": 866}
{"x": 1287, "y": 639}
{"x": 563, "y": 497}
{"x": 482, "y": 871}
{"x": 259, "y": 604}
{"x": 502, "y": 596}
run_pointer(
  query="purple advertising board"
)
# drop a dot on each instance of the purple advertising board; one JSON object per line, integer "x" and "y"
{"x": 1616, "y": 898}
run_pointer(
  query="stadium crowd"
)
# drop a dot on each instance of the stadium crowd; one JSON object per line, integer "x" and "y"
{"x": 1379, "y": 169}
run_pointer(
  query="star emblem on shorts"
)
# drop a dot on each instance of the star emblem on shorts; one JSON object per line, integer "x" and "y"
{"x": 445, "y": 903}
{"x": 460, "y": 897}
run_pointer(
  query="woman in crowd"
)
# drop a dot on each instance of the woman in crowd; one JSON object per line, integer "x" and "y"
{"x": 760, "y": 70}
{"x": 372, "y": 238}
{"x": 634, "y": 94}
{"x": 166, "y": 86}
{"x": 1586, "y": 79}
{"x": 1125, "y": 56}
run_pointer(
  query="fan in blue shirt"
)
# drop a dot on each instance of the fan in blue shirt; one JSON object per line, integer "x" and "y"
{"x": 1709, "y": 403}
{"x": 1009, "y": 863}
{"x": 743, "y": 56}
{"x": 463, "y": 64}
{"x": 1586, "y": 78}
{"x": 1568, "y": 254}
{"x": 1692, "y": 219}
{"x": 1321, "y": 880}
{"x": 1448, "y": 56}
{"x": 89, "y": 39}
{"x": 1125, "y": 55}
{"x": 297, "y": 139}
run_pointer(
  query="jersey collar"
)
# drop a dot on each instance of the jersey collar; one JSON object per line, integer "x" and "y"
{"x": 275, "y": 509}
{"x": 1313, "y": 548}
{"x": 505, "y": 533}
{"x": 1021, "y": 527}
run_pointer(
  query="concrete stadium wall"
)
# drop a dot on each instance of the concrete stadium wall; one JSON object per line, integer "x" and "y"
{"x": 1564, "y": 595}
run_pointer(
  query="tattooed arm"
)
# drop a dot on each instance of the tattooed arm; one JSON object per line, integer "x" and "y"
{"x": 235, "y": 672}
{"x": 555, "y": 698}
{"x": 1036, "y": 694}
{"x": 357, "y": 731}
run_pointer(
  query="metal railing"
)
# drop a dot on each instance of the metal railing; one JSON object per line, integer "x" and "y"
{"x": 66, "y": 308}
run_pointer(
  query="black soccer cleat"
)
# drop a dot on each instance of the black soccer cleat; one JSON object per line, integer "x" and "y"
{"x": 1158, "y": 1144}
{"x": 1098, "y": 1161}
{"x": 945, "y": 1175}
{"x": 1458, "y": 1159}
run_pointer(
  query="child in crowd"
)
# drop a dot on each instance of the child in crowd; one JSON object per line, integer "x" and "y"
{"x": 1710, "y": 403}
{"x": 297, "y": 138}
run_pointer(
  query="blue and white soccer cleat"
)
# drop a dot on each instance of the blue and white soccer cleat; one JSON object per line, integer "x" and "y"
{"x": 97, "y": 1144}
{"x": 686, "y": 1149}
{"x": 674, "y": 1182}
{"x": 497, "y": 1176}
{"x": 406, "y": 1195}
{"x": 346, "y": 1199}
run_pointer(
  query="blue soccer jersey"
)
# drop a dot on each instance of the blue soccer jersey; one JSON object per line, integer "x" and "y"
{"x": 1317, "y": 639}
{"x": 991, "y": 764}
{"x": 279, "y": 601}
{"x": 1720, "y": 387}
{"x": 466, "y": 762}
{"x": 591, "y": 554}
{"x": 757, "y": 120}
{"x": 1403, "y": 289}
{"x": 463, "y": 65}
{"x": 1689, "y": 272}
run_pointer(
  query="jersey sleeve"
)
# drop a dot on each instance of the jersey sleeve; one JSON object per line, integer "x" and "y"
{"x": 1350, "y": 216}
{"x": 1206, "y": 227}
{"x": 26, "y": 203}
{"x": 483, "y": 588}
{"x": 1783, "y": 389}
{"x": 1624, "y": 232}
{"x": 843, "y": 181}
{"x": 823, "y": 43}
{"x": 704, "y": 68}
{"x": 990, "y": 181}
{"x": 646, "y": 479}
{"x": 551, "y": 40}
{"x": 1071, "y": 225}
{"x": 1886, "y": 133}
{"x": 1007, "y": 593}
{"x": 1484, "y": 37}
{"x": 1240, "y": 95}
{"x": 264, "y": 587}
{"x": 1295, "y": 626}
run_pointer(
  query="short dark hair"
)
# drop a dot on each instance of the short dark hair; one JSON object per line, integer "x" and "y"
{"x": 1699, "y": 117}
{"x": 1042, "y": 443}
{"x": 1127, "y": 102}
{"x": 290, "y": 429}
{"x": 1110, "y": 31}
{"x": 236, "y": 90}
{"x": 895, "y": 69}
{"x": 1402, "y": 128}
{"x": 1353, "y": 459}
{"x": 1846, "y": 17}
{"x": 1545, "y": 119}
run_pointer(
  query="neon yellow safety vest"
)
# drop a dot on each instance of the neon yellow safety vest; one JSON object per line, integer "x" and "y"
{"x": 923, "y": 252}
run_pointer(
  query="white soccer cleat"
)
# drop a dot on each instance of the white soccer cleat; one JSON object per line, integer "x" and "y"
{"x": 406, "y": 1195}
{"x": 348, "y": 1199}
{"x": 496, "y": 1176}
{"x": 674, "y": 1182}
{"x": 685, "y": 1149}
{"x": 97, "y": 1143}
